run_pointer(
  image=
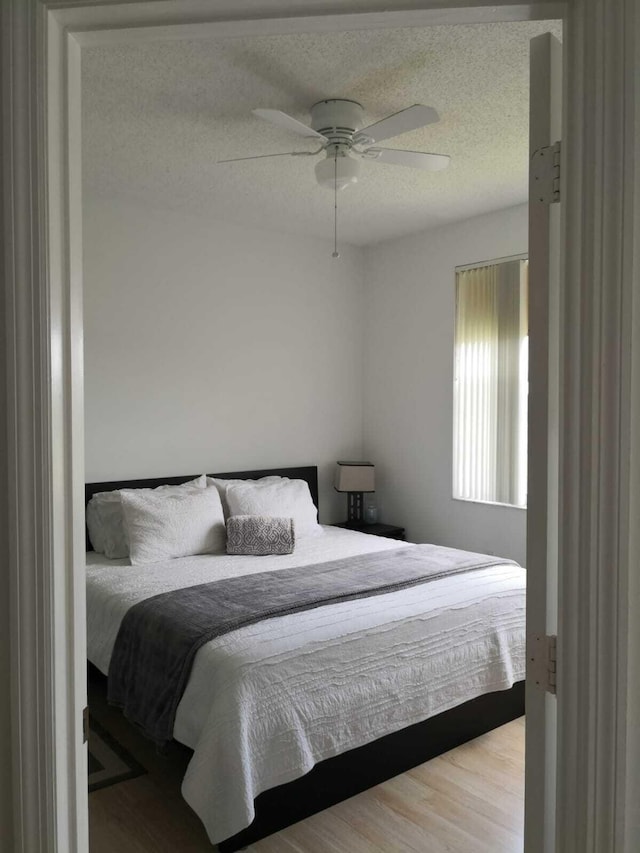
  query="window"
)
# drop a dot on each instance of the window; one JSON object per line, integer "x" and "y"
{"x": 490, "y": 383}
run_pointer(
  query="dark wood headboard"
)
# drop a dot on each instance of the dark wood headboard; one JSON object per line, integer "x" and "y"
{"x": 308, "y": 473}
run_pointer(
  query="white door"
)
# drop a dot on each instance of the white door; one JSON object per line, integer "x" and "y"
{"x": 543, "y": 433}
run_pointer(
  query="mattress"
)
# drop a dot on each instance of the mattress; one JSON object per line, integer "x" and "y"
{"x": 265, "y": 703}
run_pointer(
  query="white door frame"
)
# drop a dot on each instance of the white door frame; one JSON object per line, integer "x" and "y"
{"x": 41, "y": 529}
{"x": 599, "y": 542}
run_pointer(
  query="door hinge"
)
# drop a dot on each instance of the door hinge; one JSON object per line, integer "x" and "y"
{"x": 542, "y": 661}
{"x": 545, "y": 174}
{"x": 85, "y": 725}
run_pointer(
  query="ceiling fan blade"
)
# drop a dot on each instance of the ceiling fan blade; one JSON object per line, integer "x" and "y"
{"x": 262, "y": 156}
{"x": 414, "y": 159}
{"x": 289, "y": 123}
{"x": 393, "y": 125}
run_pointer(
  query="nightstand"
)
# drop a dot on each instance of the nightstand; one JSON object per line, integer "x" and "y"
{"x": 390, "y": 531}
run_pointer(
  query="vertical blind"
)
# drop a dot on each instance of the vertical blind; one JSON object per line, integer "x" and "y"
{"x": 490, "y": 390}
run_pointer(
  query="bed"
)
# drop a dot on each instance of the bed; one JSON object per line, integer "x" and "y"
{"x": 292, "y": 714}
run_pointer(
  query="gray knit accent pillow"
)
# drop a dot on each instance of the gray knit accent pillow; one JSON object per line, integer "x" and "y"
{"x": 259, "y": 535}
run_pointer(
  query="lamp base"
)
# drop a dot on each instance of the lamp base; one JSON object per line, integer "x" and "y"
{"x": 355, "y": 507}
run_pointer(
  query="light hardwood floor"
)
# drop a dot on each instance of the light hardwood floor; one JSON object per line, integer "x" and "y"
{"x": 469, "y": 800}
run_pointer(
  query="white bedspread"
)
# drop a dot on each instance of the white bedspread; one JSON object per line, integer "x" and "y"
{"x": 267, "y": 702}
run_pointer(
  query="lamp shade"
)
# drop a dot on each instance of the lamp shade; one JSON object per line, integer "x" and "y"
{"x": 355, "y": 477}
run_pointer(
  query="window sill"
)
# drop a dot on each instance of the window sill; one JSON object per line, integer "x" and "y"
{"x": 489, "y": 503}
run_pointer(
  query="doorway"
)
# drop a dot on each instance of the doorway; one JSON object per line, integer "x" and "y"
{"x": 54, "y": 176}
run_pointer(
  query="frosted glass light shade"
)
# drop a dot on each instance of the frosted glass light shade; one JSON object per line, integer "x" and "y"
{"x": 341, "y": 171}
{"x": 355, "y": 477}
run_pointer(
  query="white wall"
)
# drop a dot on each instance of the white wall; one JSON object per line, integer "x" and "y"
{"x": 408, "y": 409}
{"x": 214, "y": 347}
{"x": 209, "y": 346}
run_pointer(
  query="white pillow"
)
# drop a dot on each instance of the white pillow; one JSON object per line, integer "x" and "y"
{"x": 284, "y": 499}
{"x": 223, "y": 485}
{"x": 161, "y": 526}
{"x": 105, "y": 521}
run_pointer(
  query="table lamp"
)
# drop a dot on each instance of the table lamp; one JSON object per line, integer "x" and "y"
{"x": 355, "y": 478}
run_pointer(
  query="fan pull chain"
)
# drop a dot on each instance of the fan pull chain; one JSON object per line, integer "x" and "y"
{"x": 336, "y": 253}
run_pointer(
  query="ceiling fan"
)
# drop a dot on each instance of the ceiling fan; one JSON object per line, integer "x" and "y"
{"x": 336, "y": 124}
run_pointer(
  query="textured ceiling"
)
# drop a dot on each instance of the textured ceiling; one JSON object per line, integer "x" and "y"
{"x": 157, "y": 116}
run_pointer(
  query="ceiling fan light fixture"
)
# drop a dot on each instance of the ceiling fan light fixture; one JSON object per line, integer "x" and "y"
{"x": 337, "y": 172}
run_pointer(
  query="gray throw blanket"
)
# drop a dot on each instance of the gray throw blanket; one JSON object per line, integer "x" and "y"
{"x": 159, "y": 637}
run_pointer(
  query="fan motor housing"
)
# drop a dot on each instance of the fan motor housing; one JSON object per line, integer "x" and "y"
{"x": 337, "y": 119}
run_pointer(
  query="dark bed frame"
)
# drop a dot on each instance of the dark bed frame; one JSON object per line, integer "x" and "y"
{"x": 352, "y": 772}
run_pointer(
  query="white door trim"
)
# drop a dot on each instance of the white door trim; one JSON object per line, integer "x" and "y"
{"x": 44, "y": 395}
{"x": 45, "y": 424}
{"x": 599, "y": 603}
